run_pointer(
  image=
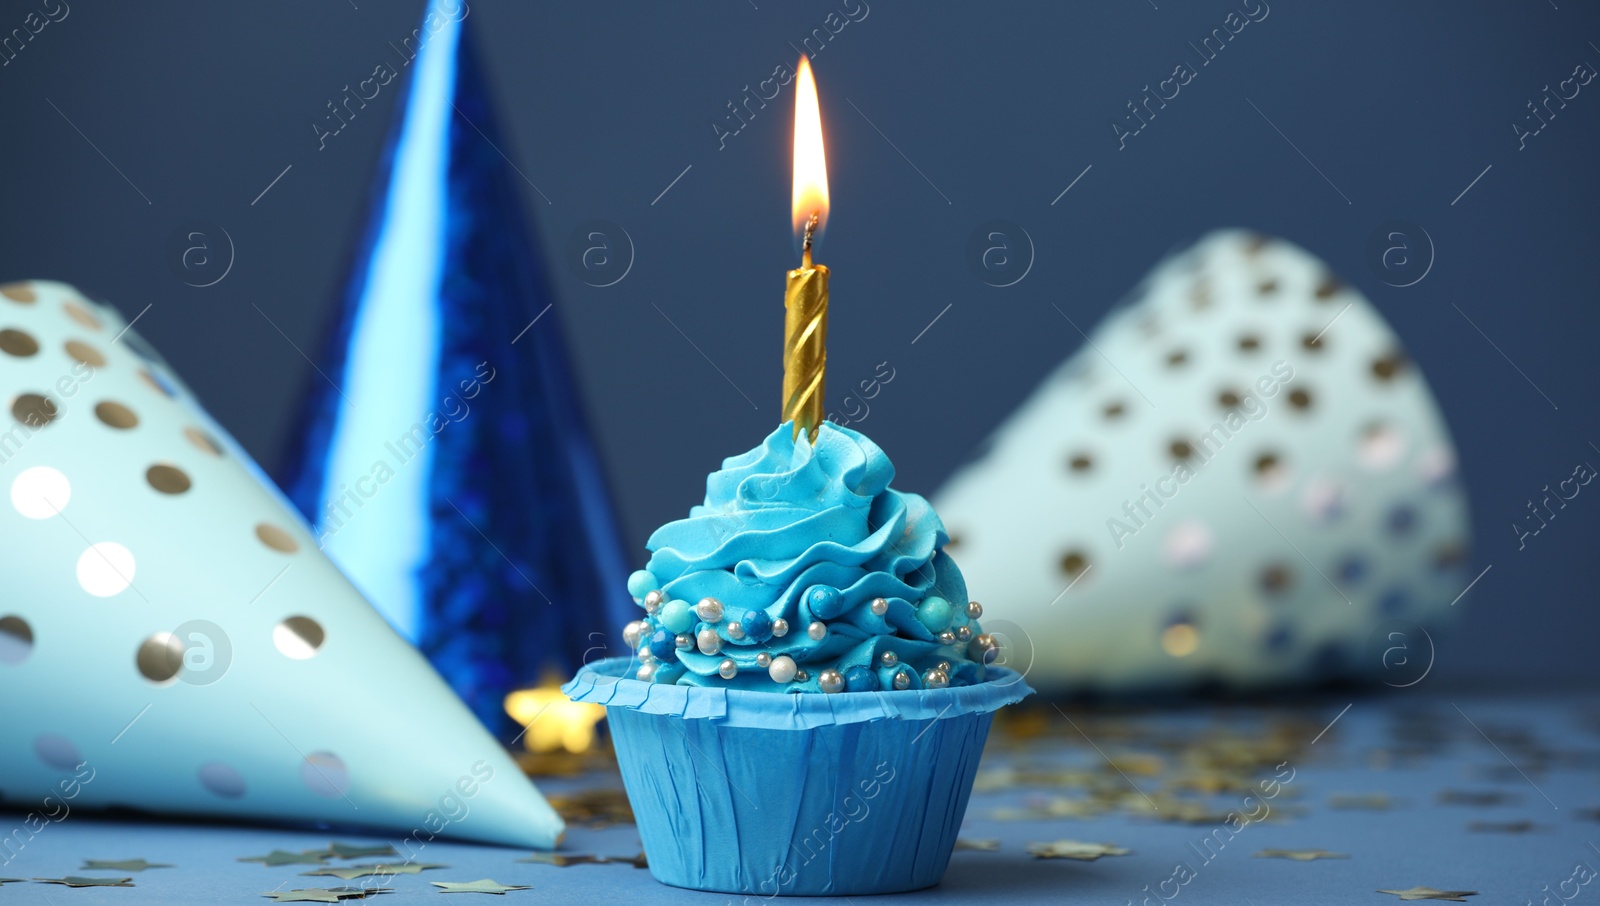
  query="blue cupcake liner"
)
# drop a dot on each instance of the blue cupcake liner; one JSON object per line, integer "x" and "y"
{"x": 770, "y": 794}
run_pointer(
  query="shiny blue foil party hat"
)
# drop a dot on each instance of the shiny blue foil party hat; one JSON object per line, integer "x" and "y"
{"x": 444, "y": 461}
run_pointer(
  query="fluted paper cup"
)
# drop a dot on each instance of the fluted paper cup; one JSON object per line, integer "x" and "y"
{"x": 771, "y": 794}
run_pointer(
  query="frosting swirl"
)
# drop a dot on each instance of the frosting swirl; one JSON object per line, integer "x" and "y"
{"x": 804, "y": 571}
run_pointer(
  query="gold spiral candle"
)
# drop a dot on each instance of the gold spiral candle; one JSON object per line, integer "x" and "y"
{"x": 805, "y": 302}
{"x": 805, "y": 349}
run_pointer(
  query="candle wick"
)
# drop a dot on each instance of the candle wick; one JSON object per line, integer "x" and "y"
{"x": 811, "y": 231}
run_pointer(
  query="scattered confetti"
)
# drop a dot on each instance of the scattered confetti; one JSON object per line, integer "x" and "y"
{"x": 482, "y": 885}
{"x": 1502, "y": 827}
{"x": 1074, "y": 849}
{"x": 562, "y": 860}
{"x": 977, "y": 846}
{"x": 599, "y": 807}
{"x": 378, "y": 870}
{"x": 324, "y": 894}
{"x": 1370, "y": 802}
{"x": 1481, "y": 800}
{"x": 1428, "y": 893}
{"x": 75, "y": 881}
{"x": 124, "y": 865}
{"x": 282, "y": 857}
{"x": 1300, "y": 855}
{"x": 338, "y": 850}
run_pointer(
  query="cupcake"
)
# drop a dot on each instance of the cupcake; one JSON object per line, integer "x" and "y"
{"x": 811, "y": 687}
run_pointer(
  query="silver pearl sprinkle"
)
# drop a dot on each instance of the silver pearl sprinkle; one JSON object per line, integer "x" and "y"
{"x": 880, "y": 606}
{"x": 801, "y": 676}
{"x": 736, "y": 630}
{"x": 933, "y": 679}
{"x": 708, "y": 641}
{"x": 983, "y": 649}
{"x": 889, "y": 659}
{"x": 964, "y": 633}
{"x": 780, "y": 628}
{"x": 684, "y": 641}
{"x": 727, "y": 669}
{"x": 763, "y": 660}
{"x": 947, "y": 638}
{"x": 645, "y": 657}
{"x": 974, "y": 609}
{"x": 902, "y": 680}
{"x": 709, "y": 609}
{"x": 632, "y": 633}
{"x": 654, "y": 600}
{"x": 831, "y": 681}
{"x": 945, "y": 666}
{"x": 818, "y": 630}
{"x": 647, "y": 673}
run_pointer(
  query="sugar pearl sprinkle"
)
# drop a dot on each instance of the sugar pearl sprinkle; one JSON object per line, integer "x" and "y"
{"x": 707, "y": 629}
{"x": 709, "y": 609}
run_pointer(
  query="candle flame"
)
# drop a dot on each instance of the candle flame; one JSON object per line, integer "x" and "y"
{"x": 810, "y": 163}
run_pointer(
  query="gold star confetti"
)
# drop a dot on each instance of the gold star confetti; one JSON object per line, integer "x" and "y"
{"x": 282, "y": 857}
{"x": 324, "y": 894}
{"x": 600, "y": 807}
{"x": 1074, "y": 849}
{"x": 10, "y": 880}
{"x": 977, "y": 846}
{"x": 1371, "y": 802}
{"x": 562, "y": 860}
{"x": 482, "y": 885}
{"x": 1428, "y": 893}
{"x": 75, "y": 881}
{"x": 1482, "y": 800}
{"x": 375, "y": 871}
{"x": 638, "y": 861}
{"x": 124, "y": 865}
{"x": 1300, "y": 855}
{"x": 337, "y": 850}
{"x": 1502, "y": 827}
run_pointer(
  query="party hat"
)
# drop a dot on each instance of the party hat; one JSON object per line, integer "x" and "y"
{"x": 445, "y": 461}
{"x": 172, "y": 640}
{"x": 1240, "y": 479}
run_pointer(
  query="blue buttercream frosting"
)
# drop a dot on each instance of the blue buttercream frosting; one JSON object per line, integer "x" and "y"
{"x": 804, "y": 538}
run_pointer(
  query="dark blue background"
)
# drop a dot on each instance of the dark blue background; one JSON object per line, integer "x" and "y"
{"x": 200, "y": 105}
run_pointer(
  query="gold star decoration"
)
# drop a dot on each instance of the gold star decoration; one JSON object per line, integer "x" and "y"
{"x": 597, "y": 808}
{"x": 1300, "y": 855}
{"x": 1428, "y": 893}
{"x": 1074, "y": 849}
{"x": 337, "y": 850}
{"x": 482, "y": 885}
{"x": 567, "y": 860}
{"x": 10, "y": 880}
{"x": 124, "y": 865}
{"x": 282, "y": 857}
{"x": 377, "y": 870}
{"x": 551, "y": 721}
{"x": 977, "y": 846}
{"x": 75, "y": 881}
{"x": 323, "y": 894}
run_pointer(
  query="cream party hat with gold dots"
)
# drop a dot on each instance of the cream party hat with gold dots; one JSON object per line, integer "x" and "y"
{"x": 171, "y": 638}
{"x": 1240, "y": 479}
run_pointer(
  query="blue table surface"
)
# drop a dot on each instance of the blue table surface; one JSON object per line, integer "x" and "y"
{"x": 1433, "y": 757}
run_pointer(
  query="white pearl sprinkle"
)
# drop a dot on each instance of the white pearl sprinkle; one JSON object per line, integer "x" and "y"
{"x": 736, "y": 630}
{"x": 654, "y": 600}
{"x": 974, "y": 609}
{"x": 684, "y": 641}
{"x": 763, "y": 659}
{"x": 709, "y": 609}
{"x": 889, "y": 659}
{"x": 783, "y": 669}
{"x": 708, "y": 641}
{"x": 780, "y": 628}
{"x": 818, "y": 630}
{"x": 880, "y": 606}
{"x": 947, "y": 638}
{"x": 632, "y": 633}
{"x": 727, "y": 669}
{"x": 902, "y": 680}
{"x": 647, "y": 673}
{"x": 934, "y": 679}
{"x": 964, "y": 633}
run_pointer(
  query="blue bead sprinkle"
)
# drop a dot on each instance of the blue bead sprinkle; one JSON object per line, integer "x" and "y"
{"x": 860, "y": 679}
{"x": 757, "y": 625}
{"x": 664, "y": 645}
